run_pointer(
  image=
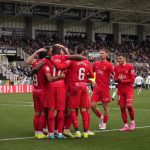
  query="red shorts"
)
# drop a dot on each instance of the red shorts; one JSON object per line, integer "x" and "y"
{"x": 125, "y": 99}
{"x": 55, "y": 98}
{"x": 101, "y": 96}
{"x": 78, "y": 98}
{"x": 38, "y": 99}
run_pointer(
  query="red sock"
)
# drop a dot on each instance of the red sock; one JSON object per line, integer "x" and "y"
{"x": 98, "y": 114}
{"x": 105, "y": 119}
{"x": 42, "y": 122}
{"x": 131, "y": 112}
{"x": 85, "y": 120}
{"x": 67, "y": 123}
{"x": 36, "y": 122}
{"x": 56, "y": 122}
{"x": 89, "y": 118}
{"x": 60, "y": 118}
{"x": 46, "y": 117}
{"x": 74, "y": 119}
{"x": 77, "y": 112}
{"x": 124, "y": 115}
{"x": 51, "y": 119}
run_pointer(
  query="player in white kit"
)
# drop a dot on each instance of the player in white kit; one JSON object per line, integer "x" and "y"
{"x": 139, "y": 82}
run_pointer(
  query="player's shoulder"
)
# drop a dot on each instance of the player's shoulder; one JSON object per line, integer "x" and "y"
{"x": 36, "y": 62}
{"x": 86, "y": 61}
{"x": 116, "y": 66}
{"x": 96, "y": 62}
{"x": 109, "y": 64}
{"x": 129, "y": 65}
{"x": 55, "y": 57}
{"x": 46, "y": 60}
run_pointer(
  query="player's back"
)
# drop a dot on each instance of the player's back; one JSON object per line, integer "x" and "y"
{"x": 39, "y": 79}
{"x": 79, "y": 72}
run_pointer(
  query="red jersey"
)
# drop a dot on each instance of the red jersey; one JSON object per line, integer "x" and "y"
{"x": 56, "y": 71}
{"x": 39, "y": 79}
{"x": 126, "y": 72}
{"x": 79, "y": 72}
{"x": 103, "y": 70}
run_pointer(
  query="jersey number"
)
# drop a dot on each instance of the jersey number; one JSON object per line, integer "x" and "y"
{"x": 54, "y": 72}
{"x": 81, "y": 74}
{"x": 35, "y": 80}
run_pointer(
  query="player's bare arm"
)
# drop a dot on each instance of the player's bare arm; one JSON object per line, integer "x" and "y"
{"x": 31, "y": 60}
{"x": 52, "y": 79}
{"x": 65, "y": 49}
{"x": 35, "y": 69}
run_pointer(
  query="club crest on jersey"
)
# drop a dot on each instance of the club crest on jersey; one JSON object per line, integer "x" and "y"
{"x": 132, "y": 71}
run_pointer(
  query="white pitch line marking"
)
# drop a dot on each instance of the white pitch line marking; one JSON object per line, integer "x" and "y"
{"x": 16, "y": 105}
{"x": 134, "y": 109}
{"x": 98, "y": 131}
{"x": 32, "y": 106}
{"x": 15, "y": 102}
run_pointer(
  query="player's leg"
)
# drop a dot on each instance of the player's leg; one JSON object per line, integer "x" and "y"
{"x": 45, "y": 129}
{"x": 97, "y": 112}
{"x": 60, "y": 123}
{"x": 85, "y": 121}
{"x": 51, "y": 122}
{"x": 122, "y": 104}
{"x": 105, "y": 98}
{"x": 75, "y": 122}
{"x": 140, "y": 89}
{"x": 130, "y": 110}
{"x": 85, "y": 112}
{"x": 60, "y": 107}
{"x": 49, "y": 104}
{"x": 35, "y": 123}
{"x": 105, "y": 116}
{"x": 96, "y": 97}
{"x": 73, "y": 104}
{"x": 36, "y": 114}
{"x": 42, "y": 118}
{"x": 56, "y": 124}
{"x": 89, "y": 119}
{"x": 41, "y": 125}
{"x": 67, "y": 123}
{"x": 114, "y": 94}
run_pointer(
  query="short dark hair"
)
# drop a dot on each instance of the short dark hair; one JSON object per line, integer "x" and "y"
{"x": 47, "y": 47}
{"x": 56, "y": 50}
{"x": 121, "y": 54}
{"x": 42, "y": 54}
{"x": 80, "y": 49}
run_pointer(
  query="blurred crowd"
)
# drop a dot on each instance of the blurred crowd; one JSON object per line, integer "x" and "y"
{"x": 137, "y": 53}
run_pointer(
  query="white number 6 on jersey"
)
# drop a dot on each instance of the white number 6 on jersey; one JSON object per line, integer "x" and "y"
{"x": 81, "y": 74}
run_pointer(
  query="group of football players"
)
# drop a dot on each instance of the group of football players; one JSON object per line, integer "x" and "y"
{"x": 60, "y": 90}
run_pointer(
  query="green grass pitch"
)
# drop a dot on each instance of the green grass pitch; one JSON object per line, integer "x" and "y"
{"x": 16, "y": 129}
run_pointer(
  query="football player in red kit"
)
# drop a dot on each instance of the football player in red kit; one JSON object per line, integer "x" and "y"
{"x": 40, "y": 79}
{"x": 125, "y": 76}
{"x": 101, "y": 93}
{"x": 79, "y": 71}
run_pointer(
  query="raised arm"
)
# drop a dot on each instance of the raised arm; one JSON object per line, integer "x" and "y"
{"x": 31, "y": 60}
